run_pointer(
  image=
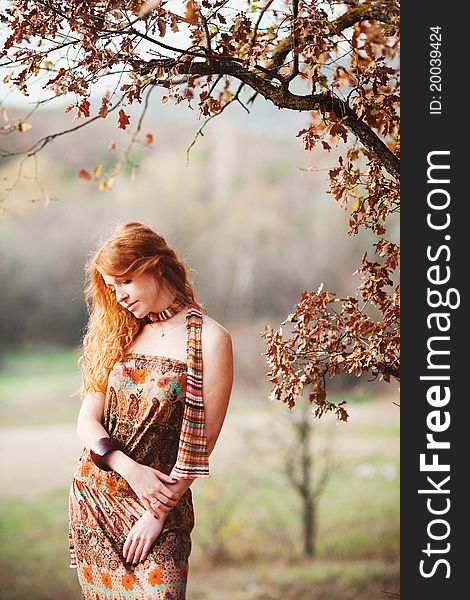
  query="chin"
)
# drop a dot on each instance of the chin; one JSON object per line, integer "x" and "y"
{"x": 139, "y": 313}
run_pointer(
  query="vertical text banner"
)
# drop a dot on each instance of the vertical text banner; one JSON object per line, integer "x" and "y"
{"x": 435, "y": 400}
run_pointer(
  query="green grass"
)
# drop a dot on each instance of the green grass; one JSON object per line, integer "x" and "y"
{"x": 38, "y": 387}
{"x": 33, "y": 555}
{"x": 38, "y": 361}
{"x": 305, "y": 580}
{"x": 356, "y": 518}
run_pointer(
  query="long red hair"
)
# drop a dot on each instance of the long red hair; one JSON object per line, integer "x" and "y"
{"x": 133, "y": 249}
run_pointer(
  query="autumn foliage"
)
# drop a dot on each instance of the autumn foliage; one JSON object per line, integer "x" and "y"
{"x": 335, "y": 61}
{"x": 333, "y": 335}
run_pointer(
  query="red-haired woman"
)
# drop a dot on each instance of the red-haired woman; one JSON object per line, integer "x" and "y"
{"x": 157, "y": 378}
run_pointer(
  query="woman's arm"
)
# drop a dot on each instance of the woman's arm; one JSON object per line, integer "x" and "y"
{"x": 217, "y": 357}
{"x": 90, "y": 429}
{"x": 149, "y": 484}
{"x": 89, "y": 424}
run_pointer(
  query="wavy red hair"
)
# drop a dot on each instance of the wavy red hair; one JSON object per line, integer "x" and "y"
{"x": 133, "y": 249}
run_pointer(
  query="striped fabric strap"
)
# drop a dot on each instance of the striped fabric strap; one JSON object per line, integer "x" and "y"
{"x": 193, "y": 458}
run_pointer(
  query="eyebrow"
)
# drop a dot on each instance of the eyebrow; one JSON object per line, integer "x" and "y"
{"x": 116, "y": 280}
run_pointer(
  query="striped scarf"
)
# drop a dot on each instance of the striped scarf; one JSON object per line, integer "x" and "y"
{"x": 193, "y": 458}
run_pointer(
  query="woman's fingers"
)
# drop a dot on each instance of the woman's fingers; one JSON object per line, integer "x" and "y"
{"x": 131, "y": 550}
{"x": 125, "y": 548}
{"x": 127, "y": 544}
{"x": 162, "y": 501}
{"x": 154, "y": 509}
{"x": 165, "y": 492}
{"x": 158, "y": 488}
{"x": 164, "y": 496}
{"x": 145, "y": 551}
{"x": 136, "y": 549}
{"x": 149, "y": 506}
{"x": 138, "y": 552}
{"x": 166, "y": 478}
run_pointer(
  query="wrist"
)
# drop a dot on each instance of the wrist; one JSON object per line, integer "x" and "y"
{"x": 160, "y": 516}
{"x": 181, "y": 485}
{"x": 122, "y": 464}
{"x": 101, "y": 450}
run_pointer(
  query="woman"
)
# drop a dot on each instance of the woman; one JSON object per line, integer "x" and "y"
{"x": 157, "y": 377}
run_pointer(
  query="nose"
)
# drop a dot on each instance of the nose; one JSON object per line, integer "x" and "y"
{"x": 121, "y": 294}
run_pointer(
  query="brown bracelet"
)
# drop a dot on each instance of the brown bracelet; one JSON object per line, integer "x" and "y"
{"x": 100, "y": 449}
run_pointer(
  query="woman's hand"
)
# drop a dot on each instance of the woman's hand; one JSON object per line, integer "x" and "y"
{"x": 141, "y": 537}
{"x": 152, "y": 488}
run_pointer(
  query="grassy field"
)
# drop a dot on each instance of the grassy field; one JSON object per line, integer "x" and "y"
{"x": 37, "y": 388}
{"x": 247, "y": 540}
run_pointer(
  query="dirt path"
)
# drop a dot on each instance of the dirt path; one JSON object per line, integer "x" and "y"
{"x": 37, "y": 459}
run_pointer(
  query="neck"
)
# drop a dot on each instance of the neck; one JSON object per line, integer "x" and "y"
{"x": 170, "y": 310}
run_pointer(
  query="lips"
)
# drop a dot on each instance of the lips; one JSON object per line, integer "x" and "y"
{"x": 129, "y": 306}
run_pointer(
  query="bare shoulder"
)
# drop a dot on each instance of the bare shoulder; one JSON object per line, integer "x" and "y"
{"x": 215, "y": 336}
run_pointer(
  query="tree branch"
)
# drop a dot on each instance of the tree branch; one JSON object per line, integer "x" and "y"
{"x": 364, "y": 12}
{"x": 355, "y": 14}
{"x": 39, "y": 145}
{"x": 283, "y": 98}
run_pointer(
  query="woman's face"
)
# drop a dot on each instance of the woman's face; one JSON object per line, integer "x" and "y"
{"x": 140, "y": 295}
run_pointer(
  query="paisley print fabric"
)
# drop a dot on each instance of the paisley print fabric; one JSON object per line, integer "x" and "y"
{"x": 143, "y": 410}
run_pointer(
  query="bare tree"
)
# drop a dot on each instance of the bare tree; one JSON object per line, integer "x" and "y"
{"x": 307, "y": 472}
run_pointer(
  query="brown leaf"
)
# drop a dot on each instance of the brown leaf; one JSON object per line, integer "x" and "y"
{"x": 161, "y": 27}
{"x": 174, "y": 23}
{"x": 123, "y": 119}
{"x": 103, "y": 112}
{"x": 83, "y": 109}
{"x": 84, "y": 174}
{"x": 149, "y": 138}
{"x": 192, "y": 12}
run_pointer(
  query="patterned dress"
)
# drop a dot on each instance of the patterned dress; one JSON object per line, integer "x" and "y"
{"x": 143, "y": 410}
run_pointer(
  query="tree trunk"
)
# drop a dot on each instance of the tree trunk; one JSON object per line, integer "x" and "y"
{"x": 305, "y": 432}
{"x": 309, "y": 527}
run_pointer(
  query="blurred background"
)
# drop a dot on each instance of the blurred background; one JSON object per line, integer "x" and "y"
{"x": 295, "y": 508}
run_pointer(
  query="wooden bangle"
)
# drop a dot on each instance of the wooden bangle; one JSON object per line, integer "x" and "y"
{"x": 100, "y": 449}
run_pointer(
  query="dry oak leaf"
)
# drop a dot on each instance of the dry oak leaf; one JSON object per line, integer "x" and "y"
{"x": 84, "y": 174}
{"x": 191, "y": 15}
{"x": 123, "y": 119}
